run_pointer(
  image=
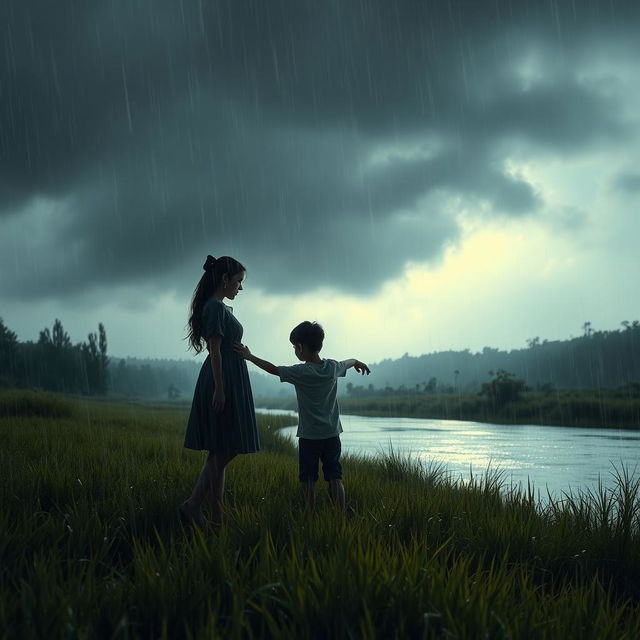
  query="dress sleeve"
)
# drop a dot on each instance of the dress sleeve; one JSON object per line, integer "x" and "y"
{"x": 213, "y": 319}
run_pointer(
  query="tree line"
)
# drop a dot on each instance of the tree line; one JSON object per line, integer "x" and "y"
{"x": 153, "y": 378}
{"x": 595, "y": 359}
{"x": 607, "y": 359}
{"x": 175, "y": 379}
{"x": 53, "y": 362}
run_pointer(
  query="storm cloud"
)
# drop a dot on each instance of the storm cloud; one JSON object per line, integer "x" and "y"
{"x": 331, "y": 142}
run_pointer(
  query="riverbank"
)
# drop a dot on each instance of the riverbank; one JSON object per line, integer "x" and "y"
{"x": 92, "y": 545}
{"x": 606, "y": 408}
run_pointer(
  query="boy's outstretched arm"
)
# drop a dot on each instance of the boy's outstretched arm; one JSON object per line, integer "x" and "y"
{"x": 360, "y": 367}
{"x": 243, "y": 350}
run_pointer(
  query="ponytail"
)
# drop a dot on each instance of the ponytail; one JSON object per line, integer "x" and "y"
{"x": 214, "y": 269}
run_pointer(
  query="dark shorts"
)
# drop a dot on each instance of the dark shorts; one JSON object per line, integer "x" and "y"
{"x": 311, "y": 451}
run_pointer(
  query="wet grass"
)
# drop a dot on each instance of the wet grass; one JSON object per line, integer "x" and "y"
{"x": 14, "y": 403}
{"x": 91, "y": 545}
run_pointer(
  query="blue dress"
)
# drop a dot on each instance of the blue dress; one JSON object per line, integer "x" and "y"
{"x": 234, "y": 429}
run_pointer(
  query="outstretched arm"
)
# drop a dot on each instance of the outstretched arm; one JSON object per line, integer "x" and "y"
{"x": 360, "y": 367}
{"x": 243, "y": 350}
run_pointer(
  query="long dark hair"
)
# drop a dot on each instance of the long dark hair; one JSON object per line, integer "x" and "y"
{"x": 214, "y": 269}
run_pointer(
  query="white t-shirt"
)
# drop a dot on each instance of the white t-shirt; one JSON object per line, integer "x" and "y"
{"x": 316, "y": 388}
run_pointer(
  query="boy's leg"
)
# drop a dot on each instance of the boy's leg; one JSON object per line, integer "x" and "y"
{"x": 332, "y": 470}
{"x": 336, "y": 491}
{"x": 308, "y": 456}
{"x": 309, "y": 492}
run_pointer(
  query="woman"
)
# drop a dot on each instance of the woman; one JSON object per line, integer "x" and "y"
{"x": 222, "y": 419}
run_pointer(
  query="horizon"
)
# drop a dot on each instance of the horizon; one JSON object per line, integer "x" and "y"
{"x": 193, "y": 357}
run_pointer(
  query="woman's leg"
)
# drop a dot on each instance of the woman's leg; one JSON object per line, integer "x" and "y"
{"x": 210, "y": 484}
{"x": 192, "y": 507}
{"x": 220, "y": 460}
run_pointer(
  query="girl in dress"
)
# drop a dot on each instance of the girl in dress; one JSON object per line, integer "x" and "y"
{"x": 222, "y": 419}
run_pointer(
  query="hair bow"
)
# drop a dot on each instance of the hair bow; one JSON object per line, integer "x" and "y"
{"x": 209, "y": 262}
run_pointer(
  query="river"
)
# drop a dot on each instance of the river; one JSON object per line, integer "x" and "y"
{"x": 557, "y": 459}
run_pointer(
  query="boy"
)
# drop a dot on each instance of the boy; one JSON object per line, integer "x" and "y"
{"x": 319, "y": 425}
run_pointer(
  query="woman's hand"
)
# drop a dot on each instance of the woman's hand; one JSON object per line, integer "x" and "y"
{"x": 218, "y": 399}
{"x": 242, "y": 350}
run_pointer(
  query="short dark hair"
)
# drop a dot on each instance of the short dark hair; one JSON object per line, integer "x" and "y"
{"x": 310, "y": 334}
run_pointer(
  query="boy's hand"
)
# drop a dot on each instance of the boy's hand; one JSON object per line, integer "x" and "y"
{"x": 242, "y": 350}
{"x": 361, "y": 367}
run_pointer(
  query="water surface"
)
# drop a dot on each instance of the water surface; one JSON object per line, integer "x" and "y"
{"x": 554, "y": 458}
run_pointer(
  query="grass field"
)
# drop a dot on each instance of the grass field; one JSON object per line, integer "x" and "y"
{"x": 91, "y": 545}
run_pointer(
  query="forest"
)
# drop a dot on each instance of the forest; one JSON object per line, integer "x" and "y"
{"x": 597, "y": 359}
{"x": 54, "y": 363}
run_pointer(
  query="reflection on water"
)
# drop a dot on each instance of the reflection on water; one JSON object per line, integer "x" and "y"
{"x": 557, "y": 458}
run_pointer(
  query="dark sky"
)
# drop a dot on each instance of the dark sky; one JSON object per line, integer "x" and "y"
{"x": 328, "y": 145}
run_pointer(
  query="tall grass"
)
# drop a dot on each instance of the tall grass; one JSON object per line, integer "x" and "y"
{"x": 15, "y": 404}
{"x": 91, "y": 545}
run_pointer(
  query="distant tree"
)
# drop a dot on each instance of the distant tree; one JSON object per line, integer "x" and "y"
{"x": 547, "y": 388}
{"x": 430, "y": 387}
{"x": 8, "y": 355}
{"x": 59, "y": 337}
{"x": 91, "y": 365}
{"x": 503, "y": 388}
{"x": 55, "y": 364}
{"x": 120, "y": 383}
{"x": 148, "y": 381}
{"x": 104, "y": 360}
